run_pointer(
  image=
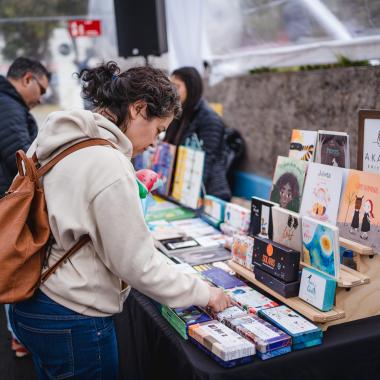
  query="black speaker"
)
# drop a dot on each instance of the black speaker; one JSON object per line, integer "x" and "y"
{"x": 141, "y": 27}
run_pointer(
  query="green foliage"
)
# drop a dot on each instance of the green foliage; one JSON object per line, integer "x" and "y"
{"x": 31, "y": 38}
{"x": 342, "y": 61}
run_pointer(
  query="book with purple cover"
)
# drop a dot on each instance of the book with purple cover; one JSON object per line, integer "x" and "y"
{"x": 222, "y": 279}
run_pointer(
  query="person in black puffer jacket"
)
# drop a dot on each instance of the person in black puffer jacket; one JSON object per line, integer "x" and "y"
{"x": 20, "y": 91}
{"x": 198, "y": 118}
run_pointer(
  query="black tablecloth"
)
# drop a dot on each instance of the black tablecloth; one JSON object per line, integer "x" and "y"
{"x": 150, "y": 349}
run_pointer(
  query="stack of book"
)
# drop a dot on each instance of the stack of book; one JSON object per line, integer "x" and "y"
{"x": 268, "y": 339}
{"x": 304, "y": 333}
{"x": 223, "y": 344}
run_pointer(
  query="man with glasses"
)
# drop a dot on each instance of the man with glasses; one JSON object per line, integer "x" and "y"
{"x": 22, "y": 89}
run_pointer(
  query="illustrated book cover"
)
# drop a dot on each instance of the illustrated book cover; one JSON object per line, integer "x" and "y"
{"x": 302, "y": 145}
{"x": 322, "y": 192}
{"x": 321, "y": 246}
{"x": 288, "y": 182}
{"x": 261, "y": 218}
{"x": 333, "y": 149}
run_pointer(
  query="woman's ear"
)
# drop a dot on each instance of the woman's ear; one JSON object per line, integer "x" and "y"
{"x": 138, "y": 108}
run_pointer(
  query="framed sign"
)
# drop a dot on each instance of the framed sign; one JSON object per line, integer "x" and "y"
{"x": 369, "y": 141}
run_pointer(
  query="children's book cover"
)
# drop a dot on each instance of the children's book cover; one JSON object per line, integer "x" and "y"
{"x": 302, "y": 145}
{"x": 288, "y": 181}
{"x": 261, "y": 218}
{"x": 359, "y": 211}
{"x": 322, "y": 191}
{"x": 287, "y": 228}
{"x": 162, "y": 164}
{"x": 321, "y": 246}
{"x": 242, "y": 250}
{"x": 333, "y": 149}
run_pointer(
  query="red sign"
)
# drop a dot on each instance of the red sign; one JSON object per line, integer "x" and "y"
{"x": 87, "y": 28}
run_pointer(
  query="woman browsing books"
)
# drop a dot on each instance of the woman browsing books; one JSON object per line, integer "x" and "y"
{"x": 67, "y": 325}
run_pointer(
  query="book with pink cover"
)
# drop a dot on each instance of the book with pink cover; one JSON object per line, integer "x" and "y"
{"x": 359, "y": 211}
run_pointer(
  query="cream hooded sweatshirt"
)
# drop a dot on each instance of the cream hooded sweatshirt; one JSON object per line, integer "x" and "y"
{"x": 94, "y": 191}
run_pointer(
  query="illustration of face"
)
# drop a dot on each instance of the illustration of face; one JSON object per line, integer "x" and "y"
{"x": 367, "y": 206}
{"x": 286, "y": 194}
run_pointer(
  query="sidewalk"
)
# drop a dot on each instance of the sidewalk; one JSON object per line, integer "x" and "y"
{"x": 10, "y": 367}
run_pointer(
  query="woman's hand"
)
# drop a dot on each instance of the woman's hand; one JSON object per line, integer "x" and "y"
{"x": 218, "y": 300}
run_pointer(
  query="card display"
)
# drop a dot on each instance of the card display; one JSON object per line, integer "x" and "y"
{"x": 276, "y": 259}
{"x": 287, "y": 228}
{"x": 221, "y": 340}
{"x": 288, "y": 181}
{"x": 188, "y": 176}
{"x": 302, "y": 145}
{"x": 250, "y": 299}
{"x": 242, "y": 250}
{"x": 265, "y": 336}
{"x": 222, "y": 279}
{"x": 317, "y": 289}
{"x": 322, "y": 191}
{"x": 333, "y": 149}
{"x": 261, "y": 218}
{"x": 285, "y": 289}
{"x": 359, "y": 211}
{"x": 321, "y": 246}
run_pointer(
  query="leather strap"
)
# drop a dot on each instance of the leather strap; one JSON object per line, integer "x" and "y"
{"x": 84, "y": 144}
{"x": 79, "y": 244}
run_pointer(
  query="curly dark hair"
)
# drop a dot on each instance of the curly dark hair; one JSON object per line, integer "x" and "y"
{"x": 106, "y": 88}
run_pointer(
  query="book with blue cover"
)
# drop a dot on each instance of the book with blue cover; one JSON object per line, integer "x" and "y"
{"x": 222, "y": 279}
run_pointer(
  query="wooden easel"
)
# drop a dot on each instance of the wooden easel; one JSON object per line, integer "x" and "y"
{"x": 357, "y": 295}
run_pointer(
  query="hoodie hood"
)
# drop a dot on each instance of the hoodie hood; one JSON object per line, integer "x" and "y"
{"x": 63, "y": 129}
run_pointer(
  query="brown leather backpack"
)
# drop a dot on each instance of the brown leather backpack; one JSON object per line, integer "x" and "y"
{"x": 25, "y": 230}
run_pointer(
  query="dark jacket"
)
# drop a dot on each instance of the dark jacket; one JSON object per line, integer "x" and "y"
{"x": 209, "y": 128}
{"x": 18, "y": 129}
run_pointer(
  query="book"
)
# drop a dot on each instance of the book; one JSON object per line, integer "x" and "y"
{"x": 265, "y": 336}
{"x": 166, "y": 210}
{"x": 162, "y": 163}
{"x": 287, "y": 228}
{"x": 203, "y": 256}
{"x": 231, "y": 312}
{"x": 302, "y": 145}
{"x": 261, "y": 218}
{"x": 299, "y": 328}
{"x": 288, "y": 181}
{"x": 359, "y": 210}
{"x": 223, "y": 342}
{"x": 250, "y": 299}
{"x": 242, "y": 250}
{"x": 321, "y": 195}
{"x": 214, "y": 209}
{"x": 333, "y": 149}
{"x": 317, "y": 289}
{"x": 321, "y": 246}
{"x": 285, "y": 289}
{"x": 237, "y": 217}
{"x": 222, "y": 279}
{"x": 181, "y": 318}
{"x": 276, "y": 259}
{"x": 187, "y": 181}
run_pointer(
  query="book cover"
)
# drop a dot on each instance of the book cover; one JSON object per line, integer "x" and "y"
{"x": 317, "y": 289}
{"x": 292, "y": 323}
{"x": 250, "y": 299}
{"x": 221, "y": 340}
{"x": 222, "y": 279}
{"x": 359, "y": 210}
{"x": 302, "y": 145}
{"x": 162, "y": 163}
{"x": 321, "y": 246}
{"x": 265, "y": 336}
{"x": 261, "y": 218}
{"x": 333, "y": 149}
{"x": 237, "y": 217}
{"x": 242, "y": 250}
{"x": 322, "y": 191}
{"x": 288, "y": 181}
{"x": 203, "y": 256}
{"x": 214, "y": 208}
{"x": 371, "y": 144}
{"x": 287, "y": 228}
{"x": 231, "y": 312}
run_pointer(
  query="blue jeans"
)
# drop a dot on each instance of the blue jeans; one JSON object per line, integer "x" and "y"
{"x": 65, "y": 344}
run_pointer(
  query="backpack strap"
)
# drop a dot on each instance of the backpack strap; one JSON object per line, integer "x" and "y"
{"x": 83, "y": 144}
{"x": 79, "y": 244}
{"x": 43, "y": 170}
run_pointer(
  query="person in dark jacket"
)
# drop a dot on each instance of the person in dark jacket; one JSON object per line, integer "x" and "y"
{"x": 198, "y": 118}
{"x": 20, "y": 90}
